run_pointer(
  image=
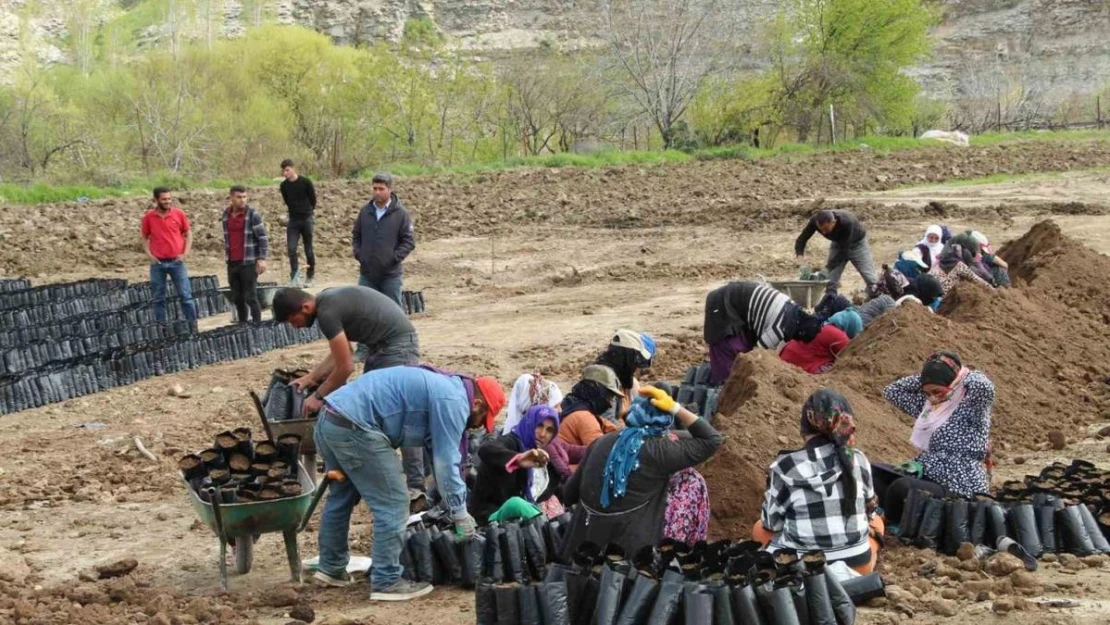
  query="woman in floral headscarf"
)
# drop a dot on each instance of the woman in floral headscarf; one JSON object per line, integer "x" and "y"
{"x": 821, "y": 497}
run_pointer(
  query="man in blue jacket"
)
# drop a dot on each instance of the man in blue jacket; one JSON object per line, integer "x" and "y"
{"x": 360, "y": 427}
{"x": 381, "y": 240}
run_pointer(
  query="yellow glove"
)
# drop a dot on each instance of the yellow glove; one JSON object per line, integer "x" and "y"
{"x": 660, "y": 399}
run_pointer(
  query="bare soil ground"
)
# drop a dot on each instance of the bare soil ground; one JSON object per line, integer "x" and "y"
{"x": 533, "y": 270}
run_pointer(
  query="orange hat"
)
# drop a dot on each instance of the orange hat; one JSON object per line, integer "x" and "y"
{"x": 491, "y": 391}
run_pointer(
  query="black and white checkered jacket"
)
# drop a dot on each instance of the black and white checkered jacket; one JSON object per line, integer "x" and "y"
{"x": 805, "y": 505}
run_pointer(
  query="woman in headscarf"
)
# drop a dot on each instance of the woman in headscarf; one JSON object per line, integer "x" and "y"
{"x": 952, "y": 269}
{"x": 821, "y": 496}
{"x": 998, "y": 268}
{"x": 913, "y": 262}
{"x": 582, "y": 409}
{"x": 742, "y": 315}
{"x": 848, "y": 321}
{"x": 952, "y": 407}
{"x": 530, "y": 389}
{"x": 515, "y": 467}
{"x": 818, "y": 355}
{"x": 933, "y": 242}
{"x": 627, "y": 354}
{"x": 638, "y": 485}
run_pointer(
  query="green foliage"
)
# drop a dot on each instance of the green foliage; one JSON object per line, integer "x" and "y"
{"x": 422, "y": 31}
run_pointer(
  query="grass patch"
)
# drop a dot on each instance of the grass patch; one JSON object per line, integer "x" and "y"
{"x": 593, "y": 160}
{"x": 1047, "y": 136}
{"x": 40, "y": 193}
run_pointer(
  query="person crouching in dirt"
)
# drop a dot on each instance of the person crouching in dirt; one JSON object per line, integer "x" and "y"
{"x": 924, "y": 290}
{"x": 580, "y": 416}
{"x": 990, "y": 267}
{"x": 516, "y": 477}
{"x": 741, "y": 315}
{"x": 628, "y": 354}
{"x": 953, "y": 267}
{"x": 637, "y": 486}
{"x": 952, "y": 407}
{"x": 360, "y": 426}
{"x": 818, "y": 355}
{"x": 821, "y": 497}
{"x": 354, "y": 314}
{"x": 847, "y": 243}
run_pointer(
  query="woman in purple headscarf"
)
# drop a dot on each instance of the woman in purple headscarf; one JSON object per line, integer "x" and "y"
{"x": 516, "y": 466}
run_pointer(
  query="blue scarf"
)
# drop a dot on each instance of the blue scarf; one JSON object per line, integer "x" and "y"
{"x": 525, "y": 432}
{"x": 643, "y": 421}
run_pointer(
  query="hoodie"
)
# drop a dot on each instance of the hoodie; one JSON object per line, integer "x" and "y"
{"x": 805, "y": 496}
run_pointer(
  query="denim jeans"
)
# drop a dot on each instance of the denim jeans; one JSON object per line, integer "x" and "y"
{"x": 373, "y": 473}
{"x": 859, "y": 254}
{"x": 389, "y": 287}
{"x": 403, "y": 350}
{"x": 177, "y": 272}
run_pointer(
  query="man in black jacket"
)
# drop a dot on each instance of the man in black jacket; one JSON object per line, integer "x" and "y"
{"x": 300, "y": 198}
{"x": 381, "y": 240}
{"x": 847, "y": 242}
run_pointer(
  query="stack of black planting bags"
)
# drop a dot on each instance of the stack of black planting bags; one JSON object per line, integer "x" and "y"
{"x": 64, "y": 380}
{"x": 238, "y": 470}
{"x": 722, "y": 583}
{"x": 412, "y": 302}
{"x": 1058, "y": 511}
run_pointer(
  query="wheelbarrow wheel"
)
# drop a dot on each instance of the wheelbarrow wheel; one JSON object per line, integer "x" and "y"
{"x": 244, "y": 554}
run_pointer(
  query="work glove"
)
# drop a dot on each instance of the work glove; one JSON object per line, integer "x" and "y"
{"x": 661, "y": 400}
{"x": 465, "y": 527}
{"x": 516, "y": 508}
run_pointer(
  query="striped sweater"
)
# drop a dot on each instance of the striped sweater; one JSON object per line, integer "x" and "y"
{"x": 750, "y": 309}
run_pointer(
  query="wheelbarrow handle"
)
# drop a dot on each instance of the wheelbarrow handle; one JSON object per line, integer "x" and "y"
{"x": 217, "y": 515}
{"x": 262, "y": 416}
{"x": 329, "y": 477}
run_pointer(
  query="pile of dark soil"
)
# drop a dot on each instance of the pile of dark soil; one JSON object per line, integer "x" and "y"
{"x": 1045, "y": 344}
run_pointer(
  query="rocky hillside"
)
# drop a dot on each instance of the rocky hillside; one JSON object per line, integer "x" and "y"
{"x": 1050, "y": 49}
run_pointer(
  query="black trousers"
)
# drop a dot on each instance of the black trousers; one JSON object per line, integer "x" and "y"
{"x": 298, "y": 228}
{"x": 242, "y": 277}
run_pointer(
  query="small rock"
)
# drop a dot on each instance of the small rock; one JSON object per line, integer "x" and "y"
{"x": 1049, "y": 558}
{"x": 281, "y": 597}
{"x": 950, "y": 593}
{"x": 971, "y": 566}
{"x": 1024, "y": 579}
{"x": 303, "y": 612}
{"x": 1094, "y": 562}
{"x": 1057, "y": 440}
{"x": 160, "y": 619}
{"x": 117, "y": 569}
{"x": 178, "y": 391}
{"x": 966, "y": 552}
{"x": 88, "y": 575}
{"x": 1104, "y": 432}
{"x": 1002, "y": 606}
{"x": 944, "y": 607}
{"x": 1019, "y": 460}
{"x": 877, "y": 602}
{"x": 1002, "y": 564}
{"x": 783, "y": 440}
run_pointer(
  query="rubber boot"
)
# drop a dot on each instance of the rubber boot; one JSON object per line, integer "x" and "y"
{"x": 843, "y": 606}
{"x": 932, "y": 523}
{"x": 996, "y": 524}
{"x": 485, "y": 605}
{"x": 1098, "y": 540}
{"x": 553, "y": 603}
{"x": 610, "y": 589}
{"x": 665, "y": 609}
{"x": 492, "y": 567}
{"x": 1023, "y": 521}
{"x": 640, "y": 599}
{"x": 698, "y": 606}
{"x": 508, "y": 604}
{"x": 956, "y": 527}
{"x": 864, "y": 588}
{"x": 529, "y": 606}
{"x": 978, "y": 527}
{"x": 512, "y": 555}
{"x": 911, "y": 516}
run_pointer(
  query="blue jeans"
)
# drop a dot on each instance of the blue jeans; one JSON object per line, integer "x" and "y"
{"x": 373, "y": 473}
{"x": 389, "y": 287}
{"x": 177, "y": 272}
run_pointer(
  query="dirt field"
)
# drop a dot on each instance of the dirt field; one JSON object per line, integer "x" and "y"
{"x": 533, "y": 270}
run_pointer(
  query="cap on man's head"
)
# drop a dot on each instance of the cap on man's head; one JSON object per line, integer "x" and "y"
{"x": 383, "y": 177}
{"x": 633, "y": 340}
{"x": 494, "y": 395}
{"x": 604, "y": 376}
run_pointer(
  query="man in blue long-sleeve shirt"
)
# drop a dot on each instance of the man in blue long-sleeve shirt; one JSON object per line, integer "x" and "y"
{"x": 361, "y": 426}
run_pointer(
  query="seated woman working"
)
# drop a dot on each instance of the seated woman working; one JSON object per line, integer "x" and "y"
{"x": 582, "y": 409}
{"x": 530, "y": 389}
{"x": 952, "y": 407}
{"x": 516, "y": 467}
{"x": 638, "y": 485}
{"x": 952, "y": 269}
{"x": 821, "y": 497}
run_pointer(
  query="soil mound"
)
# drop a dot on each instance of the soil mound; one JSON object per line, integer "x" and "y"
{"x": 1045, "y": 344}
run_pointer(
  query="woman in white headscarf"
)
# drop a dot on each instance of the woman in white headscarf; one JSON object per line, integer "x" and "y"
{"x": 932, "y": 241}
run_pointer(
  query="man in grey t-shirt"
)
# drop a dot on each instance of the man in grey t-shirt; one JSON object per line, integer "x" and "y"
{"x": 345, "y": 315}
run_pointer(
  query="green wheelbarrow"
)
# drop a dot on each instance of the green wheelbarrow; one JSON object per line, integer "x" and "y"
{"x": 240, "y": 524}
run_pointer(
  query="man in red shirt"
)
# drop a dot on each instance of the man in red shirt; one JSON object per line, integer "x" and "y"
{"x": 246, "y": 247}
{"x": 167, "y": 239}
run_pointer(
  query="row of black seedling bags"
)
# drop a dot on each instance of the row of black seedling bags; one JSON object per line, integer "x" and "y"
{"x": 38, "y": 354}
{"x": 238, "y": 470}
{"x": 92, "y": 324}
{"x": 696, "y": 393}
{"x": 1042, "y": 524}
{"x": 413, "y": 302}
{"x": 48, "y": 293}
{"x": 207, "y": 303}
{"x": 67, "y": 380}
{"x": 7, "y": 285}
{"x": 116, "y": 290}
{"x": 721, "y": 583}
